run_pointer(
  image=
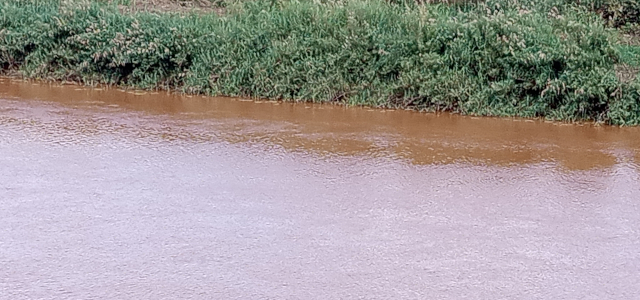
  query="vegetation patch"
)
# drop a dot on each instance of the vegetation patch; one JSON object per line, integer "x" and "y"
{"x": 169, "y": 6}
{"x": 540, "y": 58}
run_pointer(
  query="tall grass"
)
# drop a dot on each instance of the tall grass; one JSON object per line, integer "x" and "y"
{"x": 500, "y": 57}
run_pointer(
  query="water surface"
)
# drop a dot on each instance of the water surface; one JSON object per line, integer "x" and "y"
{"x": 109, "y": 194}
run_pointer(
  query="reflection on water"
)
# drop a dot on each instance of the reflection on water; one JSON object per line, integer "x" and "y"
{"x": 106, "y": 194}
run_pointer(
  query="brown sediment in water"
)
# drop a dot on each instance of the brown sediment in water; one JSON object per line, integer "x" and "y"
{"x": 327, "y": 129}
{"x": 106, "y": 194}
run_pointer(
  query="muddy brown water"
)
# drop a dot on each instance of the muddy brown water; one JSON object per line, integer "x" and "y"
{"x": 106, "y": 194}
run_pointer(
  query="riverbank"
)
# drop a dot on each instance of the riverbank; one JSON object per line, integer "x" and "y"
{"x": 498, "y": 58}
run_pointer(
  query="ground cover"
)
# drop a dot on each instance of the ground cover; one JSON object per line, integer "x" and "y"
{"x": 552, "y": 59}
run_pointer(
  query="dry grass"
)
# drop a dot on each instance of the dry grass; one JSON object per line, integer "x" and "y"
{"x": 626, "y": 73}
{"x": 176, "y": 6}
{"x": 630, "y": 39}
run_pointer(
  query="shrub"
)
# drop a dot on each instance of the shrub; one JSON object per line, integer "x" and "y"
{"x": 504, "y": 58}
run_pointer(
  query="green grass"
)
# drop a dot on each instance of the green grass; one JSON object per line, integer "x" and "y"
{"x": 500, "y": 58}
{"x": 630, "y": 55}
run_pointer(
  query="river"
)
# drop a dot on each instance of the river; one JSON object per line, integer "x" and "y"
{"x": 112, "y": 194}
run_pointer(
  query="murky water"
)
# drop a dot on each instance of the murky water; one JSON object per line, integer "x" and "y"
{"x": 120, "y": 195}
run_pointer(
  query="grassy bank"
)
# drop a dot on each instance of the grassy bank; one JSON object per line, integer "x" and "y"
{"x": 504, "y": 58}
